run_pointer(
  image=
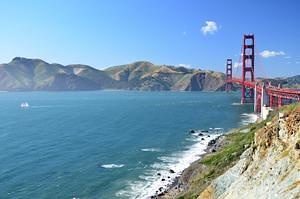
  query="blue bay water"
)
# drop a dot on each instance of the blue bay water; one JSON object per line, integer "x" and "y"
{"x": 100, "y": 144}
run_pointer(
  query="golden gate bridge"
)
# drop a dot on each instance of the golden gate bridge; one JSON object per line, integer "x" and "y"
{"x": 263, "y": 95}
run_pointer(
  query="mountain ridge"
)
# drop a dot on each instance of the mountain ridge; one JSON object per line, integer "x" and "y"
{"x": 24, "y": 74}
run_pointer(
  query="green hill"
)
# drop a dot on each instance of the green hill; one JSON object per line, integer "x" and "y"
{"x": 22, "y": 74}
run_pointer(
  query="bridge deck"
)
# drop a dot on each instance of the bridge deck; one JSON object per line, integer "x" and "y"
{"x": 271, "y": 90}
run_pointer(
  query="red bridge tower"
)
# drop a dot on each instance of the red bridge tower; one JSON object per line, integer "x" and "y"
{"x": 248, "y": 67}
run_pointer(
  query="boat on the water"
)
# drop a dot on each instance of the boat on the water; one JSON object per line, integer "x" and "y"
{"x": 24, "y": 105}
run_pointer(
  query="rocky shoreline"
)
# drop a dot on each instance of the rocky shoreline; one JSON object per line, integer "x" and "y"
{"x": 262, "y": 159}
{"x": 180, "y": 183}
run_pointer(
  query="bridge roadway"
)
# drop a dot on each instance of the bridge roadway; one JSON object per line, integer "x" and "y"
{"x": 283, "y": 93}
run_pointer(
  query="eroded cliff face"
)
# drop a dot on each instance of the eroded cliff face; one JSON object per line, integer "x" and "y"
{"x": 270, "y": 168}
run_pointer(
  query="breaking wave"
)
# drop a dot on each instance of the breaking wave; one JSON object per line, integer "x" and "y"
{"x": 161, "y": 174}
{"x": 112, "y": 166}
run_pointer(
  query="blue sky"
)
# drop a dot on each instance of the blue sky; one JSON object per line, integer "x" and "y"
{"x": 113, "y": 32}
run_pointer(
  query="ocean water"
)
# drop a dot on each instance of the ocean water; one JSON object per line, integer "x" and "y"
{"x": 105, "y": 144}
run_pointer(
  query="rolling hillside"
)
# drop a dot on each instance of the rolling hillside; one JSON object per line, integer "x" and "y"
{"x": 22, "y": 74}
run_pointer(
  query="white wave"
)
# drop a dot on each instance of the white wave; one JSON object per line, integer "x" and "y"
{"x": 112, "y": 166}
{"x": 160, "y": 174}
{"x": 151, "y": 150}
{"x": 45, "y": 106}
{"x": 248, "y": 118}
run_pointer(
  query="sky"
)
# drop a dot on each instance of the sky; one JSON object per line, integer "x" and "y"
{"x": 192, "y": 33}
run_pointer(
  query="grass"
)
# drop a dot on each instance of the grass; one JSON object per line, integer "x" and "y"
{"x": 217, "y": 163}
{"x": 230, "y": 152}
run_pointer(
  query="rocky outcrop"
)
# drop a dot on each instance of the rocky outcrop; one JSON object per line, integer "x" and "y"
{"x": 206, "y": 81}
{"x": 270, "y": 168}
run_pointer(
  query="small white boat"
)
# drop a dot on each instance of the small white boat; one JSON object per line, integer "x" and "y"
{"x": 24, "y": 105}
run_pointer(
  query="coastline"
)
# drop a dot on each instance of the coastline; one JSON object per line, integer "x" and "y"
{"x": 180, "y": 183}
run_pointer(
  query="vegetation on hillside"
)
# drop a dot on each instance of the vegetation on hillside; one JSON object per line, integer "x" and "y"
{"x": 35, "y": 74}
{"x": 233, "y": 145}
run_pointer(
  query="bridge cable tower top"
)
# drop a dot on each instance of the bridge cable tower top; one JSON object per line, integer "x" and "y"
{"x": 248, "y": 68}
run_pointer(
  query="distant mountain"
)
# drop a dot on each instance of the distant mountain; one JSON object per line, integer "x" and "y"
{"x": 147, "y": 76}
{"x": 285, "y": 82}
{"x": 35, "y": 74}
{"x": 23, "y": 74}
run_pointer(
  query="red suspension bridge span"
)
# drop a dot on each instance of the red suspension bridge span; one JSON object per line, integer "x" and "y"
{"x": 262, "y": 95}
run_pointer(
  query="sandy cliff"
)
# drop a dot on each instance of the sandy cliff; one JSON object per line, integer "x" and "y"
{"x": 270, "y": 168}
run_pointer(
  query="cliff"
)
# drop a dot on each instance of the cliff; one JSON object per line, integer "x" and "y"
{"x": 270, "y": 168}
{"x": 261, "y": 160}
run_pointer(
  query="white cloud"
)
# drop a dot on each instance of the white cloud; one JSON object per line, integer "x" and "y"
{"x": 287, "y": 57}
{"x": 297, "y": 62}
{"x": 185, "y": 65}
{"x": 210, "y": 28}
{"x": 268, "y": 53}
{"x": 237, "y": 64}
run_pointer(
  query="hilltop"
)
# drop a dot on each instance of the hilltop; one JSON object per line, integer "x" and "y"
{"x": 23, "y": 74}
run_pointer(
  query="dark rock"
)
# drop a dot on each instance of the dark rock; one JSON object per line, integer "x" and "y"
{"x": 168, "y": 176}
{"x": 212, "y": 142}
{"x": 202, "y": 139}
{"x": 208, "y": 136}
{"x": 171, "y": 171}
{"x": 192, "y": 131}
{"x": 159, "y": 174}
{"x": 297, "y": 146}
{"x": 200, "y": 134}
{"x": 161, "y": 194}
{"x": 214, "y": 150}
{"x": 163, "y": 179}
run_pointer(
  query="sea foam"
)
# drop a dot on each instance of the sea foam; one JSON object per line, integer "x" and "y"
{"x": 112, "y": 166}
{"x": 162, "y": 173}
{"x": 248, "y": 118}
{"x": 151, "y": 150}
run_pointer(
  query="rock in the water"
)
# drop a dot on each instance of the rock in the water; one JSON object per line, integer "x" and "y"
{"x": 202, "y": 139}
{"x": 212, "y": 142}
{"x": 192, "y": 131}
{"x": 163, "y": 179}
{"x": 159, "y": 174}
{"x": 171, "y": 171}
{"x": 200, "y": 134}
